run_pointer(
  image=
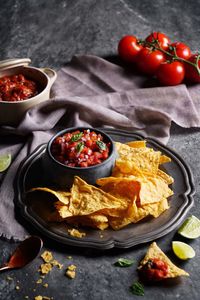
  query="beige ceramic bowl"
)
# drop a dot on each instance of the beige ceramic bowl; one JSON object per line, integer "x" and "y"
{"x": 12, "y": 112}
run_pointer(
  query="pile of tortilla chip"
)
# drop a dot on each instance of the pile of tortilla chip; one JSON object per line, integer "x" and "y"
{"x": 136, "y": 189}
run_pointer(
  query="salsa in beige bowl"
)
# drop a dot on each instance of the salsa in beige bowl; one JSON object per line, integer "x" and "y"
{"x": 22, "y": 87}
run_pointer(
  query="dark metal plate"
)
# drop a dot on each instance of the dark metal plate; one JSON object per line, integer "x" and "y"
{"x": 30, "y": 174}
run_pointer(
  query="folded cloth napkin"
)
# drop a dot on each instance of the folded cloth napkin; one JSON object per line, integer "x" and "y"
{"x": 91, "y": 91}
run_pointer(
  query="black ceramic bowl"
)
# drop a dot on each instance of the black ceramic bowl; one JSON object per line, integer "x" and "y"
{"x": 62, "y": 175}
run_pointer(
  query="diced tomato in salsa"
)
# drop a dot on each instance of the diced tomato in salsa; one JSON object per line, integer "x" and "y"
{"x": 17, "y": 88}
{"x": 154, "y": 270}
{"x": 80, "y": 149}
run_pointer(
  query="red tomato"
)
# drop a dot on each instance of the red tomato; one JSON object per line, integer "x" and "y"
{"x": 129, "y": 48}
{"x": 162, "y": 40}
{"x": 181, "y": 49}
{"x": 171, "y": 73}
{"x": 191, "y": 73}
{"x": 148, "y": 61}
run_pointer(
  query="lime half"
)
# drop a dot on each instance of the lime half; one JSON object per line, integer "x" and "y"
{"x": 190, "y": 228}
{"x": 182, "y": 250}
{"x": 5, "y": 160}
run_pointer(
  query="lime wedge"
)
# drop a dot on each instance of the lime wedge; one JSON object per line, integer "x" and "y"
{"x": 190, "y": 228}
{"x": 182, "y": 250}
{"x": 5, "y": 160}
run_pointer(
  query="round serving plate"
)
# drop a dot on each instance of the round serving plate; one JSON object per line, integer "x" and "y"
{"x": 30, "y": 174}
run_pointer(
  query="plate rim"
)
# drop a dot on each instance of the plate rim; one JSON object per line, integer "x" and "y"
{"x": 111, "y": 242}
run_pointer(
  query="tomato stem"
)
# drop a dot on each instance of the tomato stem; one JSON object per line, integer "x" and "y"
{"x": 155, "y": 46}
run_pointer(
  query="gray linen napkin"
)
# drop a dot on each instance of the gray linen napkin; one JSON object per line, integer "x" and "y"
{"x": 94, "y": 92}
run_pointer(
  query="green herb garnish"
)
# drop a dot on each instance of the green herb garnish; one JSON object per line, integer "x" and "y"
{"x": 137, "y": 289}
{"x": 101, "y": 145}
{"x": 79, "y": 147}
{"x": 76, "y": 137}
{"x": 124, "y": 262}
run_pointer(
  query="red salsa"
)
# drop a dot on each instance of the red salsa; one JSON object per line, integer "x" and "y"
{"x": 154, "y": 270}
{"x": 17, "y": 88}
{"x": 80, "y": 148}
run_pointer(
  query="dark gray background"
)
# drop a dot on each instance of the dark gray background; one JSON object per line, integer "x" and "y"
{"x": 50, "y": 33}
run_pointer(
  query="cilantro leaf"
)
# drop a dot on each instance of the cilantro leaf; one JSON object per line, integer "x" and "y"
{"x": 76, "y": 137}
{"x": 101, "y": 145}
{"x": 124, "y": 262}
{"x": 137, "y": 289}
{"x": 79, "y": 147}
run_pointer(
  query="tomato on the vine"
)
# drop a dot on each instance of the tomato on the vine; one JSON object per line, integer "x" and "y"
{"x": 160, "y": 39}
{"x": 128, "y": 48}
{"x": 171, "y": 73}
{"x": 191, "y": 73}
{"x": 180, "y": 49}
{"x": 149, "y": 60}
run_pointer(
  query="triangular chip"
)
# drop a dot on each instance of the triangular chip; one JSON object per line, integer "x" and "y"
{"x": 137, "y": 144}
{"x": 62, "y": 196}
{"x": 87, "y": 199}
{"x": 148, "y": 190}
{"x": 135, "y": 214}
{"x": 154, "y": 252}
{"x": 164, "y": 159}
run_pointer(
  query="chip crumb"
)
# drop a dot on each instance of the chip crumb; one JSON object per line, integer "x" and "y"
{"x": 45, "y": 268}
{"x": 42, "y": 298}
{"x": 76, "y": 233}
{"x": 47, "y": 256}
{"x": 9, "y": 278}
{"x": 101, "y": 235}
{"x": 71, "y": 271}
{"x": 69, "y": 257}
{"x": 39, "y": 281}
{"x": 26, "y": 297}
{"x": 17, "y": 287}
{"x": 56, "y": 263}
{"x": 38, "y": 298}
{"x": 45, "y": 285}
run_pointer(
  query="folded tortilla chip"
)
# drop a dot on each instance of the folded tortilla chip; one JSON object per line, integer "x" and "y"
{"x": 147, "y": 190}
{"x": 155, "y": 252}
{"x": 135, "y": 214}
{"x": 87, "y": 199}
{"x": 62, "y": 196}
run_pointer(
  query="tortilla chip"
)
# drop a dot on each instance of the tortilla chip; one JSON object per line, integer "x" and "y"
{"x": 147, "y": 190}
{"x": 135, "y": 214}
{"x": 122, "y": 188}
{"x": 153, "y": 190}
{"x": 87, "y": 199}
{"x": 155, "y": 252}
{"x": 164, "y": 159}
{"x": 62, "y": 196}
{"x": 137, "y": 144}
{"x": 125, "y": 150}
{"x": 167, "y": 178}
{"x": 148, "y": 162}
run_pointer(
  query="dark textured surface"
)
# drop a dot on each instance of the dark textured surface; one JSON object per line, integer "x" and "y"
{"x": 50, "y": 32}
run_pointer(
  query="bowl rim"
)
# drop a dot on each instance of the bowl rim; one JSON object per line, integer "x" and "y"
{"x": 32, "y": 98}
{"x": 70, "y": 129}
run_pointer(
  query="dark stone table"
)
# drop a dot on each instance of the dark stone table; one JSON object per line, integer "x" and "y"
{"x": 50, "y": 33}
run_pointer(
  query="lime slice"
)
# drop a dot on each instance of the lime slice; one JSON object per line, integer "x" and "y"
{"x": 5, "y": 160}
{"x": 190, "y": 228}
{"x": 182, "y": 250}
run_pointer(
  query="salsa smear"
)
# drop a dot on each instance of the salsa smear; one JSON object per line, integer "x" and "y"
{"x": 154, "y": 270}
{"x": 80, "y": 148}
{"x": 17, "y": 88}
